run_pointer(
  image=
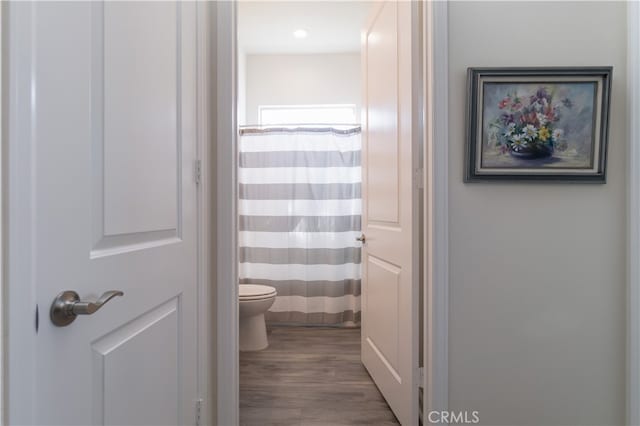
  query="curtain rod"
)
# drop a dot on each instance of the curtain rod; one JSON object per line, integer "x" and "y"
{"x": 318, "y": 128}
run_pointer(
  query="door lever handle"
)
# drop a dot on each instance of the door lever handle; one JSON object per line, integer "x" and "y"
{"x": 362, "y": 238}
{"x": 67, "y": 306}
{"x": 87, "y": 308}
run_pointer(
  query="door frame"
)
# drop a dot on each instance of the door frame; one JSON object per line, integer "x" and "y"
{"x": 435, "y": 345}
{"x": 633, "y": 213}
{"x": 436, "y": 207}
{"x": 3, "y": 109}
{"x": 206, "y": 235}
{"x": 224, "y": 104}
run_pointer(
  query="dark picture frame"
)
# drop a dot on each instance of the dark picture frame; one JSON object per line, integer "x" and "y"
{"x": 537, "y": 124}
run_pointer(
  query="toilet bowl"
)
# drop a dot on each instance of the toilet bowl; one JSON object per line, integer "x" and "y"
{"x": 254, "y": 301}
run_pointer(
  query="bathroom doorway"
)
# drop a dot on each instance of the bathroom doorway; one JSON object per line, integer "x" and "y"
{"x": 299, "y": 177}
{"x": 308, "y": 84}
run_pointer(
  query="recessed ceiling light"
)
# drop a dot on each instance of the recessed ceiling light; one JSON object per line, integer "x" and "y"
{"x": 300, "y": 33}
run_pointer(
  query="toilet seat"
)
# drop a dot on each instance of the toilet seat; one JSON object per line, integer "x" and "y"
{"x": 256, "y": 292}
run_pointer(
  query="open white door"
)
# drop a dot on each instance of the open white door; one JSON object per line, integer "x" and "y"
{"x": 102, "y": 197}
{"x": 390, "y": 253}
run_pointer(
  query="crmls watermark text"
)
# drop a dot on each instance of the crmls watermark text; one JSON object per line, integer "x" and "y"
{"x": 454, "y": 417}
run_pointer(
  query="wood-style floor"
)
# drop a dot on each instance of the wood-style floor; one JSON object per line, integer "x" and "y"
{"x": 309, "y": 376}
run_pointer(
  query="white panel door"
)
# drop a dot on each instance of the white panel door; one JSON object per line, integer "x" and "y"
{"x": 390, "y": 296}
{"x": 111, "y": 206}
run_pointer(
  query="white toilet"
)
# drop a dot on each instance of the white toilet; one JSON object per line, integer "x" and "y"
{"x": 255, "y": 300}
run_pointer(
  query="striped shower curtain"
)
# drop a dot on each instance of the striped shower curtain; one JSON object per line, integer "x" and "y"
{"x": 299, "y": 208}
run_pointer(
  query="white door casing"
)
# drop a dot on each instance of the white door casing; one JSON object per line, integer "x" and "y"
{"x": 390, "y": 211}
{"x": 102, "y": 196}
{"x": 226, "y": 182}
{"x": 633, "y": 217}
{"x": 436, "y": 225}
{"x": 3, "y": 300}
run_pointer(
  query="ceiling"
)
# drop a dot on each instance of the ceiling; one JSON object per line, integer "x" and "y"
{"x": 266, "y": 27}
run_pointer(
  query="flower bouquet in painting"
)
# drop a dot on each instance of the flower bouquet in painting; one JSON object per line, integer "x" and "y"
{"x": 537, "y": 123}
{"x": 527, "y": 126}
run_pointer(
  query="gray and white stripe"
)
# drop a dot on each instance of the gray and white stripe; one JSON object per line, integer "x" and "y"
{"x": 306, "y": 175}
{"x": 299, "y": 159}
{"x": 300, "y": 206}
{"x": 299, "y": 191}
{"x": 310, "y": 288}
{"x": 299, "y": 223}
{"x": 300, "y": 256}
{"x": 347, "y": 318}
{"x": 299, "y": 239}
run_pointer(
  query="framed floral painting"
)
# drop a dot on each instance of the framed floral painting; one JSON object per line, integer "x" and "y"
{"x": 537, "y": 124}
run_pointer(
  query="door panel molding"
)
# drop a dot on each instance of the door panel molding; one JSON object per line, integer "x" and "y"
{"x": 383, "y": 295}
{"x": 114, "y": 152}
{"x": 166, "y": 315}
{"x": 383, "y": 207}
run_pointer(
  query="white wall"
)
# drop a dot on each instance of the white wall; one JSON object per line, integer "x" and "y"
{"x": 242, "y": 86}
{"x": 301, "y": 79}
{"x": 537, "y": 271}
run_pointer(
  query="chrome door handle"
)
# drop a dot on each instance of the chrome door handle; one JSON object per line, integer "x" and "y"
{"x": 67, "y": 306}
{"x": 362, "y": 238}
